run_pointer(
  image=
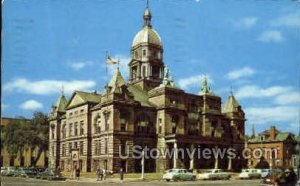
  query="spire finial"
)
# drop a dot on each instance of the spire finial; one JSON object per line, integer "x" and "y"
{"x": 147, "y": 15}
{"x": 62, "y": 89}
{"x": 253, "y": 131}
{"x": 231, "y": 92}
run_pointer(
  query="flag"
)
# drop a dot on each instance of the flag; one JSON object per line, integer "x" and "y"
{"x": 109, "y": 60}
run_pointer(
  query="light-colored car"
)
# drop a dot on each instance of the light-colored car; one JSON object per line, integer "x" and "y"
{"x": 250, "y": 174}
{"x": 265, "y": 172}
{"x": 3, "y": 170}
{"x": 10, "y": 171}
{"x": 214, "y": 174}
{"x": 179, "y": 175}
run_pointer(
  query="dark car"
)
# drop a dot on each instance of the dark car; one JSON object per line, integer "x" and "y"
{"x": 280, "y": 179}
{"x": 52, "y": 174}
{"x": 28, "y": 173}
{"x": 39, "y": 171}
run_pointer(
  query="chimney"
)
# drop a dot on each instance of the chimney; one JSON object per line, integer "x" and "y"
{"x": 273, "y": 132}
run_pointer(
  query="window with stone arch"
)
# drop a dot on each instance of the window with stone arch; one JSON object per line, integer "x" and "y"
{"x": 124, "y": 119}
{"x": 52, "y": 131}
{"x": 97, "y": 124}
{"x": 64, "y": 130}
{"x": 174, "y": 123}
{"x": 143, "y": 123}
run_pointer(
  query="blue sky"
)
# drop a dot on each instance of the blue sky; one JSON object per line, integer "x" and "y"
{"x": 252, "y": 46}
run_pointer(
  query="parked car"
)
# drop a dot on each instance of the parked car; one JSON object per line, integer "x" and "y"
{"x": 39, "y": 172}
{"x": 10, "y": 171}
{"x": 265, "y": 172}
{"x": 27, "y": 173}
{"x": 52, "y": 174}
{"x": 214, "y": 174}
{"x": 3, "y": 170}
{"x": 274, "y": 179}
{"x": 250, "y": 174}
{"x": 179, "y": 175}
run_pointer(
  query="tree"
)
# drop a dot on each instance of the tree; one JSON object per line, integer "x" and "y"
{"x": 39, "y": 130}
{"x": 14, "y": 135}
{"x": 21, "y": 134}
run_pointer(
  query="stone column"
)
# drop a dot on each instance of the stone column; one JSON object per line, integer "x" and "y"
{"x": 229, "y": 164}
{"x": 192, "y": 158}
{"x": 216, "y": 161}
{"x": 175, "y": 156}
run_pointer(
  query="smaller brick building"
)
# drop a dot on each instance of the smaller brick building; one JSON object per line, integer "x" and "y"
{"x": 283, "y": 142}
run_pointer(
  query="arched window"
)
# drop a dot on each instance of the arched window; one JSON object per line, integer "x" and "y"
{"x": 174, "y": 123}
{"x": 52, "y": 131}
{"x": 97, "y": 124}
{"x": 124, "y": 117}
{"x": 143, "y": 122}
{"x": 63, "y": 131}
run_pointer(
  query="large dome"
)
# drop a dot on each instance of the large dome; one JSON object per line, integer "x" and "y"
{"x": 146, "y": 35}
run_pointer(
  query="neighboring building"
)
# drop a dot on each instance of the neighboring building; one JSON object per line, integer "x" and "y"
{"x": 282, "y": 143}
{"x": 90, "y": 129}
{"x": 28, "y": 155}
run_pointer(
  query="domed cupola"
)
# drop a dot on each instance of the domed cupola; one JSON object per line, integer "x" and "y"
{"x": 146, "y": 65}
{"x": 147, "y": 34}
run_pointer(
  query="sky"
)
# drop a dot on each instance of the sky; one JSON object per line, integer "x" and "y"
{"x": 251, "y": 46}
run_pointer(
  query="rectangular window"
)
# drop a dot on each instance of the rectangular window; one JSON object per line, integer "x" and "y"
{"x": 81, "y": 128}
{"x": 70, "y": 148}
{"x": 76, "y": 129}
{"x": 105, "y": 146}
{"x": 81, "y": 148}
{"x": 75, "y": 145}
{"x": 63, "y": 150}
{"x": 123, "y": 147}
{"x": 159, "y": 125}
{"x": 70, "y": 129}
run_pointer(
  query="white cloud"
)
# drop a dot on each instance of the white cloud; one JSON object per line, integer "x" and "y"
{"x": 79, "y": 65}
{"x": 267, "y": 115}
{"x": 31, "y": 105}
{"x": 46, "y": 87}
{"x": 193, "y": 81}
{"x": 291, "y": 97}
{"x": 243, "y": 72}
{"x": 274, "y": 36}
{"x": 252, "y": 91}
{"x": 246, "y": 22}
{"x": 4, "y": 106}
{"x": 291, "y": 20}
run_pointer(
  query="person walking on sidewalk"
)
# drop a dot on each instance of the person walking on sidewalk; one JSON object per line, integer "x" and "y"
{"x": 77, "y": 173}
{"x": 121, "y": 174}
{"x": 104, "y": 174}
{"x": 98, "y": 173}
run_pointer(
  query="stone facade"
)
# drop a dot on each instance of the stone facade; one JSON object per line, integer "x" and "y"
{"x": 149, "y": 111}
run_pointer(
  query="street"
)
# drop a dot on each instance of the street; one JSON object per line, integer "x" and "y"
{"x": 16, "y": 181}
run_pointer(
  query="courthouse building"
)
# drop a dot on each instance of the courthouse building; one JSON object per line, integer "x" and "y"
{"x": 92, "y": 129}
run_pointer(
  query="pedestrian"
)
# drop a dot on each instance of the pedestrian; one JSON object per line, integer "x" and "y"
{"x": 77, "y": 173}
{"x": 104, "y": 174}
{"x": 291, "y": 177}
{"x": 121, "y": 174}
{"x": 98, "y": 173}
{"x": 74, "y": 172}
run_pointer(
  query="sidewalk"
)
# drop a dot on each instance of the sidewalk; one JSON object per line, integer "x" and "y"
{"x": 108, "y": 180}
